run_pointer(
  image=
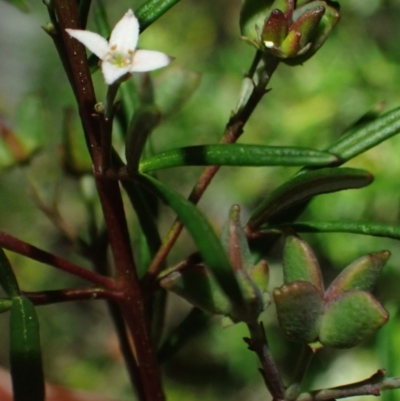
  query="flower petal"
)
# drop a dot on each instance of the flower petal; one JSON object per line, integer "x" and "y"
{"x": 94, "y": 42}
{"x": 112, "y": 72}
{"x": 125, "y": 34}
{"x": 148, "y": 60}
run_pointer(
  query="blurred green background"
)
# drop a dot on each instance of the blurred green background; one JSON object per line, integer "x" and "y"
{"x": 310, "y": 105}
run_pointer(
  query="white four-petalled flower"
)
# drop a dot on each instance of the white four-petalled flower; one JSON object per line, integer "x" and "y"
{"x": 119, "y": 55}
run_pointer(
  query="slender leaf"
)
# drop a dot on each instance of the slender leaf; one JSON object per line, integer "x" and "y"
{"x": 25, "y": 354}
{"x": 205, "y": 238}
{"x": 304, "y": 186}
{"x": 368, "y": 136}
{"x": 237, "y": 155}
{"x": 21, "y": 4}
{"x": 150, "y": 11}
{"x": 364, "y": 228}
{"x": 7, "y": 277}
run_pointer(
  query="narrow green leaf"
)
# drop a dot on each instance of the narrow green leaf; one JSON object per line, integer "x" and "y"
{"x": 101, "y": 20}
{"x": 7, "y": 278}
{"x": 143, "y": 122}
{"x": 25, "y": 354}
{"x": 21, "y": 4}
{"x": 355, "y": 227}
{"x": 368, "y": 136}
{"x": 150, "y": 11}
{"x": 205, "y": 238}
{"x": 199, "y": 287}
{"x": 304, "y": 186}
{"x": 142, "y": 208}
{"x": 237, "y": 155}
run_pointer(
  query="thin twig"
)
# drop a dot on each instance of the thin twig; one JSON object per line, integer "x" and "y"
{"x": 371, "y": 386}
{"x": 258, "y": 343}
{"x": 260, "y": 77}
{"x": 68, "y": 295}
{"x": 23, "y": 248}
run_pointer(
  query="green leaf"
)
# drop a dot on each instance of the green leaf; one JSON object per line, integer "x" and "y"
{"x": 299, "y": 306}
{"x": 364, "y": 228}
{"x": 21, "y": 4}
{"x": 7, "y": 278}
{"x": 350, "y": 319}
{"x": 237, "y": 155}
{"x": 300, "y": 263}
{"x": 25, "y": 354}
{"x": 205, "y": 238}
{"x": 304, "y": 186}
{"x": 198, "y": 286}
{"x": 173, "y": 88}
{"x": 369, "y": 135}
{"x": 150, "y": 11}
{"x": 362, "y": 274}
{"x": 5, "y": 304}
{"x": 143, "y": 122}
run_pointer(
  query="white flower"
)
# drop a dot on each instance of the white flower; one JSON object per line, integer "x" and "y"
{"x": 119, "y": 56}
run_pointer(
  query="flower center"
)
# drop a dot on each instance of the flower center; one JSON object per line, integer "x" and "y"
{"x": 119, "y": 59}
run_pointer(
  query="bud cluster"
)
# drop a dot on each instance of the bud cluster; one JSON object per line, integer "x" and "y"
{"x": 342, "y": 316}
{"x": 290, "y": 30}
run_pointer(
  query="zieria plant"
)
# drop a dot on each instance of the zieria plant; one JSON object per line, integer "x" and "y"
{"x": 126, "y": 254}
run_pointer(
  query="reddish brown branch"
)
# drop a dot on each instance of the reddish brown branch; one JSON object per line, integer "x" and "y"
{"x": 23, "y": 248}
{"x": 132, "y": 303}
{"x": 68, "y": 295}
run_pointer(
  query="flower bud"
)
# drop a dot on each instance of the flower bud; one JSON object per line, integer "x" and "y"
{"x": 292, "y": 31}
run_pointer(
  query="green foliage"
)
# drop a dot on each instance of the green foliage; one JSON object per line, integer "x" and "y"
{"x": 25, "y": 354}
{"x": 171, "y": 120}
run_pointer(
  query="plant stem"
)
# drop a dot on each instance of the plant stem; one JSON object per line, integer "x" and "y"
{"x": 258, "y": 343}
{"x": 23, "y": 248}
{"x": 260, "y": 74}
{"x": 132, "y": 304}
{"x": 371, "y": 386}
{"x": 68, "y": 295}
{"x": 293, "y": 390}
